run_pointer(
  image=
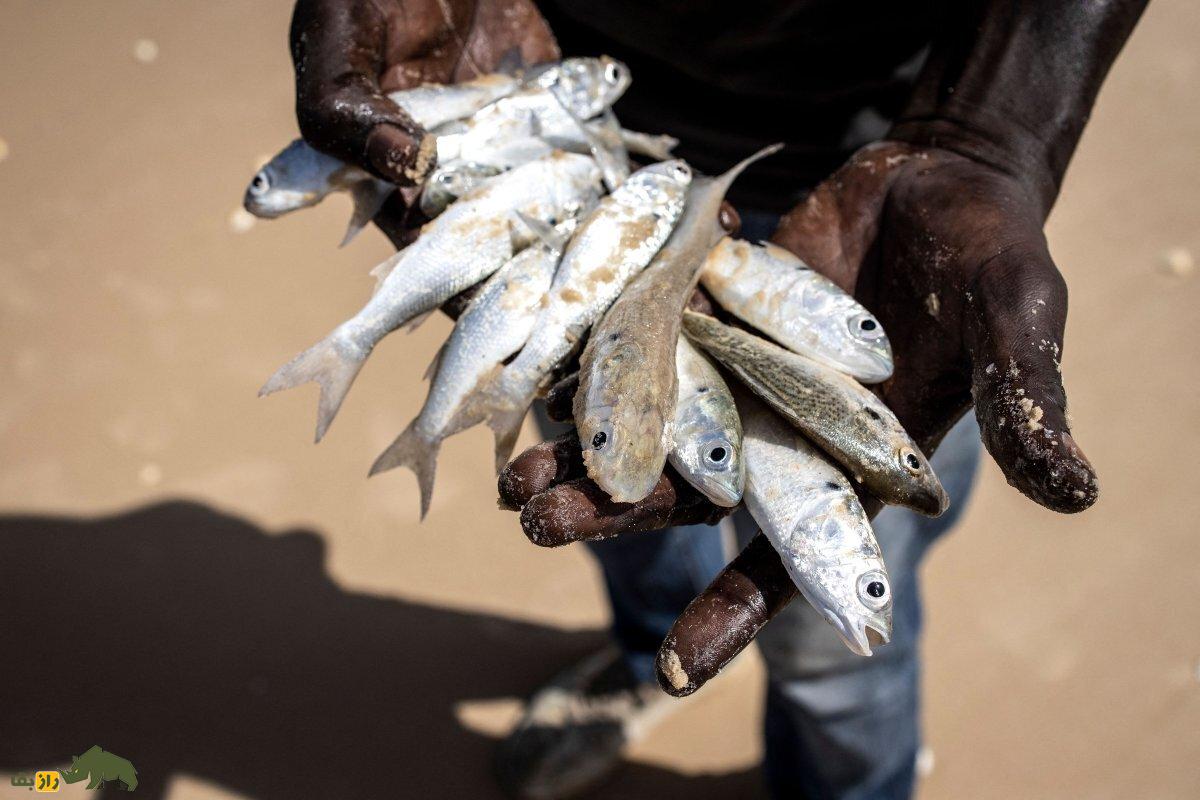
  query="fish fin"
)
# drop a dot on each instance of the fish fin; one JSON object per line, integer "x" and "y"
{"x": 325, "y": 364}
{"x": 659, "y": 147}
{"x": 434, "y": 363}
{"x": 506, "y": 427}
{"x": 383, "y": 269}
{"x": 368, "y": 196}
{"x": 545, "y": 232}
{"x": 416, "y": 452}
{"x": 417, "y": 321}
{"x": 614, "y": 166}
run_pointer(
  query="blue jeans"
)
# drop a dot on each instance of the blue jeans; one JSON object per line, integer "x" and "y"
{"x": 837, "y": 725}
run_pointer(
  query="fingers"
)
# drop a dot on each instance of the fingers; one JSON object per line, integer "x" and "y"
{"x": 540, "y": 467}
{"x": 724, "y": 618}
{"x": 1017, "y": 308}
{"x": 561, "y": 398}
{"x": 338, "y": 52}
{"x": 579, "y": 510}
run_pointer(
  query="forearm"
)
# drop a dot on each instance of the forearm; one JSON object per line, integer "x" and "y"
{"x": 1012, "y": 82}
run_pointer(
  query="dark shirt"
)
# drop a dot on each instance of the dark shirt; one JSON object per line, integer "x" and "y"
{"x": 726, "y": 78}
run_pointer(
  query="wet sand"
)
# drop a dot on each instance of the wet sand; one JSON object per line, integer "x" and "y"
{"x": 139, "y": 318}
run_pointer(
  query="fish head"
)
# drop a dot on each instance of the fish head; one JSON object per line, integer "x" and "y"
{"x": 586, "y": 86}
{"x": 662, "y": 186}
{"x": 861, "y": 611}
{"x": 840, "y": 568}
{"x": 923, "y": 491}
{"x": 714, "y": 465}
{"x": 623, "y": 443}
{"x": 297, "y": 177}
{"x": 838, "y": 321}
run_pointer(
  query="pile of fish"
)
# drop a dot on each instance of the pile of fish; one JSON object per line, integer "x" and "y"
{"x": 574, "y": 252}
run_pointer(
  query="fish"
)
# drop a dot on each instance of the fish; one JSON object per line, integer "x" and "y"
{"x": 657, "y": 146}
{"x": 467, "y": 243}
{"x": 627, "y": 381}
{"x": 613, "y": 243}
{"x": 837, "y": 413}
{"x": 777, "y": 293}
{"x": 300, "y": 176}
{"x": 451, "y": 181}
{"x": 812, "y": 517}
{"x": 494, "y": 325}
{"x": 706, "y": 439}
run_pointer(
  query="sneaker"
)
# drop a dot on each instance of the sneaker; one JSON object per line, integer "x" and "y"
{"x": 575, "y": 727}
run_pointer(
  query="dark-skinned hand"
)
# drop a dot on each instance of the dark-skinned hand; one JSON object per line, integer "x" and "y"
{"x": 349, "y": 54}
{"x": 949, "y": 253}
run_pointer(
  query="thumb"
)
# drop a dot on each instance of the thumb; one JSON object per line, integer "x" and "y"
{"x": 1017, "y": 308}
{"x": 338, "y": 53}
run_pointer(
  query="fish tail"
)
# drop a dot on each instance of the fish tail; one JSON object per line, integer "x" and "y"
{"x": 502, "y": 399}
{"x": 330, "y": 363}
{"x": 418, "y": 453}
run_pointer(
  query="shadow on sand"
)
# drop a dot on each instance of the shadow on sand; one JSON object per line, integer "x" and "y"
{"x": 190, "y": 641}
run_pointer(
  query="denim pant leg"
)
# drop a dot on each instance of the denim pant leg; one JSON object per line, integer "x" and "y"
{"x": 838, "y": 725}
{"x": 650, "y": 577}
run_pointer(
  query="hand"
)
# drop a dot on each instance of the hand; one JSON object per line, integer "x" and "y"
{"x": 949, "y": 254}
{"x": 349, "y": 54}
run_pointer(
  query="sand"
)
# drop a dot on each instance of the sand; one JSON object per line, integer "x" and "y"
{"x": 140, "y": 311}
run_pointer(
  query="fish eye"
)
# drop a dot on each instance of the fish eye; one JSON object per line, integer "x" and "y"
{"x": 599, "y": 440}
{"x": 681, "y": 172}
{"x": 865, "y": 326}
{"x": 873, "y": 590}
{"x": 612, "y": 73}
{"x": 718, "y": 455}
{"x": 910, "y": 460}
{"x": 260, "y": 184}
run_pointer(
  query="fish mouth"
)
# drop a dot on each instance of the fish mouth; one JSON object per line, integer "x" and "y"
{"x": 932, "y": 501}
{"x": 876, "y": 367}
{"x": 721, "y": 493}
{"x": 860, "y": 634}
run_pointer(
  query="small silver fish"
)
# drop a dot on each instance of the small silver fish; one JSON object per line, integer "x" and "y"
{"x": 807, "y": 313}
{"x": 467, "y": 243}
{"x": 626, "y": 396}
{"x": 706, "y": 439}
{"x": 812, "y": 517}
{"x": 837, "y": 413}
{"x": 494, "y": 325}
{"x": 300, "y": 177}
{"x": 451, "y": 181}
{"x": 615, "y": 242}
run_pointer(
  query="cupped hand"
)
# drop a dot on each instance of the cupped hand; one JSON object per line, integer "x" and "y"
{"x": 348, "y": 54}
{"x": 949, "y": 253}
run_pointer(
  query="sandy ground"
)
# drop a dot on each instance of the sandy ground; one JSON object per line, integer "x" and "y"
{"x": 296, "y": 633}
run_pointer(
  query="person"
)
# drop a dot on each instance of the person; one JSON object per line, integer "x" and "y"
{"x": 926, "y": 144}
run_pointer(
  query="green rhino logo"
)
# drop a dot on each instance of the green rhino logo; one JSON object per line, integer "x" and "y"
{"x": 100, "y": 767}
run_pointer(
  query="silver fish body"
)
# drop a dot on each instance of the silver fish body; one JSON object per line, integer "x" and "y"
{"x": 773, "y": 290}
{"x": 838, "y": 414}
{"x": 300, "y": 176}
{"x": 615, "y": 242}
{"x": 494, "y": 325}
{"x": 627, "y": 385}
{"x": 813, "y": 519}
{"x": 466, "y": 244}
{"x": 706, "y": 439}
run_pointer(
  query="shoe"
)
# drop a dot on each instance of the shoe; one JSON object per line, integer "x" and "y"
{"x": 575, "y": 727}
